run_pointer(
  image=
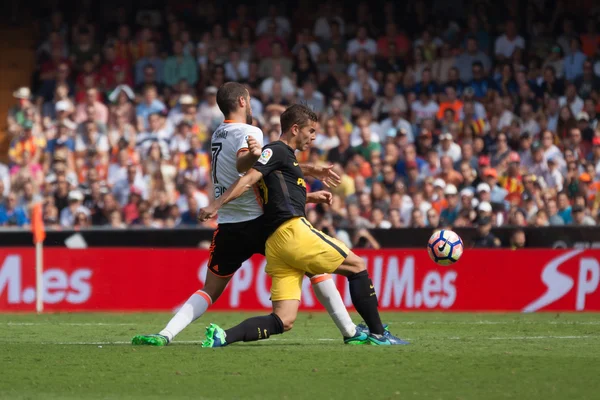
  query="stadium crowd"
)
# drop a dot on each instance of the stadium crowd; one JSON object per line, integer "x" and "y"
{"x": 434, "y": 113}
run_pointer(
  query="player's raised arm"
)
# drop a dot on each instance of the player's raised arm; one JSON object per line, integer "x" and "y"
{"x": 246, "y": 158}
{"x": 238, "y": 188}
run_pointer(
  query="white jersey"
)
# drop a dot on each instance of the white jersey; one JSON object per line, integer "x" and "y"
{"x": 227, "y": 140}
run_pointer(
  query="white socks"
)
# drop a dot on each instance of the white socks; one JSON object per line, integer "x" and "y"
{"x": 331, "y": 299}
{"x": 193, "y": 309}
{"x": 324, "y": 289}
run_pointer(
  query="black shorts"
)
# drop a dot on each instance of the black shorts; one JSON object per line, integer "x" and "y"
{"x": 232, "y": 244}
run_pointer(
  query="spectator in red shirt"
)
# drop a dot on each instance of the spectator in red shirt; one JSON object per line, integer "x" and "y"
{"x": 114, "y": 70}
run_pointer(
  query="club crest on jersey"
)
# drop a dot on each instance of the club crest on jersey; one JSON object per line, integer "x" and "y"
{"x": 265, "y": 156}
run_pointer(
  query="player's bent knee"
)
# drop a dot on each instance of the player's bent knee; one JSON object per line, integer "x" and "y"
{"x": 214, "y": 286}
{"x": 353, "y": 264}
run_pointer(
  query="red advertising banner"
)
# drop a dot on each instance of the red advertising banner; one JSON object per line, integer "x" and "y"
{"x": 115, "y": 279}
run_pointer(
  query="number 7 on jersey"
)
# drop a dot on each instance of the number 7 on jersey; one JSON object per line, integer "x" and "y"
{"x": 215, "y": 149}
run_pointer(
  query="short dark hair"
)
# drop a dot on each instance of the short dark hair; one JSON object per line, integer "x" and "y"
{"x": 228, "y": 95}
{"x": 298, "y": 114}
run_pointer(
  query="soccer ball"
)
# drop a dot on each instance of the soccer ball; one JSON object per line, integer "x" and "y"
{"x": 445, "y": 247}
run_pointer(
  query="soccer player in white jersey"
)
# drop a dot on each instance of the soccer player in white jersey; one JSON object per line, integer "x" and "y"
{"x": 236, "y": 146}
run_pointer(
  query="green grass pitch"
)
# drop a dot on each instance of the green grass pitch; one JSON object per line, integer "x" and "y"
{"x": 451, "y": 356}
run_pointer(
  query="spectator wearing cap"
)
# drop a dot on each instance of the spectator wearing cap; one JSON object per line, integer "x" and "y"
{"x": 583, "y": 124}
{"x": 75, "y": 206}
{"x": 579, "y": 218}
{"x": 497, "y": 193}
{"x": 185, "y": 109}
{"x": 16, "y": 114}
{"x": 484, "y": 237}
{"x": 467, "y": 198}
{"x": 179, "y": 66}
{"x": 209, "y": 113}
{"x": 121, "y": 99}
{"x": 450, "y": 212}
{"x": 447, "y": 147}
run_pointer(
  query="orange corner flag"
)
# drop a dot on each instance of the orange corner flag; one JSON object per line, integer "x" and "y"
{"x": 37, "y": 224}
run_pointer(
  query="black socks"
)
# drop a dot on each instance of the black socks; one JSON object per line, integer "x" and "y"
{"x": 365, "y": 302}
{"x": 255, "y": 328}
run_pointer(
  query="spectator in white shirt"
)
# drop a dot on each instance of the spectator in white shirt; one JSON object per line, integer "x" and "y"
{"x": 571, "y": 99}
{"x": 424, "y": 108}
{"x": 355, "y": 89}
{"x": 506, "y": 44}
{"x": 362, "y": 41}
{"x": 75, "y": 206}
{"x": 236, "y": 69}
{"x": 287, "y": 86}
{"x": 447, "y": 147}
{"x": 396, "y": 121}
{"x": 124, "y": 186}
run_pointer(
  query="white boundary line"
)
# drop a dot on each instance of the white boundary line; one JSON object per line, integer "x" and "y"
{"x": 395, "y": 323}
{"x": 306, "y": 340}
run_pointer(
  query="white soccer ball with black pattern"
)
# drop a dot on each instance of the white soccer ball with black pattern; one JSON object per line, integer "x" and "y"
{"x": 445, "y": 247}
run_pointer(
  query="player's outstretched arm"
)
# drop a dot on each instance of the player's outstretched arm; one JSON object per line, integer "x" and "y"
{"x": 323, "y": 173}
{"x": 238, "y": 188}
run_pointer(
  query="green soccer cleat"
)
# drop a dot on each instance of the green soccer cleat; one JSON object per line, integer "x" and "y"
{"x": 215, "y": 337}
{"x": 359, "y": 337}
{"x": 150, "y": 340}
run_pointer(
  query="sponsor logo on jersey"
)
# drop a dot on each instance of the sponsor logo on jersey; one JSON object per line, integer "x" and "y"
{"x": 265, "y": 156}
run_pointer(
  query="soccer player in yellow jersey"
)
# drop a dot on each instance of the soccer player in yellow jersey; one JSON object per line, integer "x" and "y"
{"x": 294, "y": 247}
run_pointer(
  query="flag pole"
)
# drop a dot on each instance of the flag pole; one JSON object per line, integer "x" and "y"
{"x": 39, "y": 235}
{"x": 39, "y": 281}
